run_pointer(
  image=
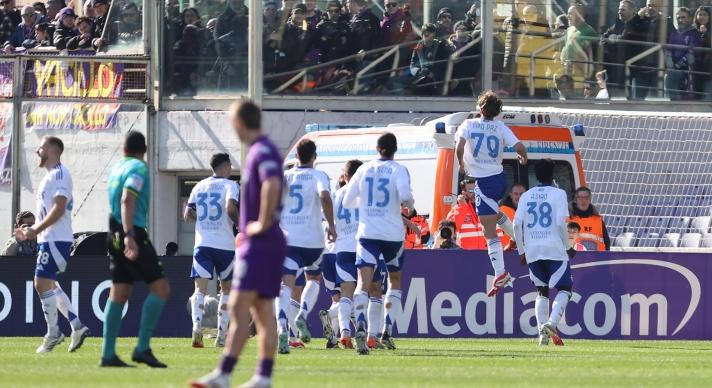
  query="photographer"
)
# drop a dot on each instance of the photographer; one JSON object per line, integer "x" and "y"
{"x": 464, "y": 216}
{"x": 21, "y": 248}
{"x": 446, "y": 236}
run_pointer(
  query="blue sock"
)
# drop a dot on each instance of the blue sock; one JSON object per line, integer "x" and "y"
{"x": 227, "y": 364}
{"x": 150, "y": 314}
{"x": 112, "y": 324}
{"x": 264, "y": 367}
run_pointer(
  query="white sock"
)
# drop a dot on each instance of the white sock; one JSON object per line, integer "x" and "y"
{"x": 360, "y": 304}
{"x": 558, "y": 307}
{"x": 292, "y": 313}
{"x": 334, "y": 318}
{"x": 541, "y": 308}
{"x": 375, "y": 316}
{"x": 223, "y": 315}
{"x": 49, "y": 306}
{"x": 506, "y": 224}
{"x": 345, "y": 307}
{"x": 197, "y": 304}
{"x": 496, "y": 254}
{"x": 393, "y": 307}
{"x": 285, "y": 294}
{"x": 64, "y": 305}
{"x": 309, "y": 296}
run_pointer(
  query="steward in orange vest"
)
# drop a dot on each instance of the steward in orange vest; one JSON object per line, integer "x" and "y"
{"x": 413, "y": 240}
{"x": 470, "y": 234}
{"x": 593, "y": 235}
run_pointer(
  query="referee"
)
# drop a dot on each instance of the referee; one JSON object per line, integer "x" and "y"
{"x": 132, "y": 254}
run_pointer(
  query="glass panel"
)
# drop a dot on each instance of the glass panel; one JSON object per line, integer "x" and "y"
{"x": 371, "y": 48}
{"x": 6, "y": 171}
{"x": 205, "y": 47}
{"x": 598, "y": 49}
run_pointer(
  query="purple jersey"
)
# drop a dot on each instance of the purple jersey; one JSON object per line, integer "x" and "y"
{"x": 263, "y": 162}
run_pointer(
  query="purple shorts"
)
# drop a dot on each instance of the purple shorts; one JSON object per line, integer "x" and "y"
{"x": 258, "y": 267}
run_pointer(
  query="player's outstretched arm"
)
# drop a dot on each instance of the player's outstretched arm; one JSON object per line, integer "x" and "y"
{"x": 59, "y": 206}
{"x": 460, "y": 152}
{"x": 269, "y": 200}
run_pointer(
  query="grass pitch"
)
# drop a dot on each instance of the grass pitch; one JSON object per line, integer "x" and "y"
{"x": 416, "y": 363}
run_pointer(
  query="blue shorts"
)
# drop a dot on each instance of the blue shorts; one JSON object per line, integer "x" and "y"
{"x": 300, "y": 280}
{"x": 52, "y": 259}
{"x": 346, "y": 268}
{"x": 550, "y": 273}
{"x": 307, "y": 258}
{"x": 328, "y": 269}
{"x": 368, "y": 251}
{"x": 489, "y": 191}
{"x": 206, "y": 260}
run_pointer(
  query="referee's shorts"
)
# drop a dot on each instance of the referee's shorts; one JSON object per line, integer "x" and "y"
{"x": 147, "y": 267}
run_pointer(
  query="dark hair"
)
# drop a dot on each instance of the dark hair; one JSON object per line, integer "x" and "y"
{"x": 130, "y": 5}
{"x": 171, "y": 248}
{"x": 544, "y": 170}
{"x": 306, "y": 149}
{"x": 388, "y": 145}
{"x": 429, "y": 27}
{"x": 21, "y": 215}
{"x": 702, "y": 8}
{"x": 194, "y": 10}
{"x": 85, "y": 19}
{"x": 490, "y": 104}
{"x": 582, "y": 188}
{"x": 507, "y": 201}
{"x": 352, "y": 166}
{"x": 685, "y": 10}
{"x": 447, "y": 223}
{"x": 250, "y": 114}
{"x": 341, "y": 182}
{"x": 135, "y": 143}
{"x": 40, "y": 5}
{"x": 465, "y": 182}
{"x": 41, "y": 27}
{"x": 574, "y": 225}
{"x": 218, "y": 159}
{"x": 55, "y": 141}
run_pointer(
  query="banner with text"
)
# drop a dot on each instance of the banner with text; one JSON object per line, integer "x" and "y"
{"x": 81, "y": 116}
{"x": 616, "y": 296}
{"x": 73, "y": 79}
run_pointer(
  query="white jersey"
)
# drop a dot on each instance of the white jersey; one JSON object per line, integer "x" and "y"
{"x": 302, "y": 213}
{"x": 540, "y": 224}
{"x": 485, "y": 145}
{"x": 210, "y": 198}
{"x": 56, "y": 183}
{"x": 377, "y": 189}
{"x": 347, "y": 221}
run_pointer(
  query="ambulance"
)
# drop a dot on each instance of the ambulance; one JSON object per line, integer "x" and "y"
{"x": 428, "y": 151}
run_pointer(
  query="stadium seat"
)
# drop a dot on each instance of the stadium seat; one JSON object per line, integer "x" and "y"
{"x": 679, "y": 225}
{"x": 670, "y": 240}
{"x": 625, "y": 240}
{"x": 701, "y": 225}
{"x": 650, "y": 240}
{"x": 706, "y": 241}
{"x": 690, "y": 240}
{"x": 637, "y": 225}
{"x": 658, "y": 225}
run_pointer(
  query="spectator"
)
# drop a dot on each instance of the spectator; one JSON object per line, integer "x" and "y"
{"x": 393, "y": 19}
{"x": 24, "y": 30}
{"x": 334, "y": 34}
{"x": 271, "y": 20}
{"x": 446, "y": 236}
{"x": 130, "y": 27}
{"x": 561, "y": 25}
{"x": 465, "y": 74}
{"x": 65, "y": 28}
{"x": 464, "y": 216}
{"x": 296, "y": 40}
{"x": 171, "y": 249}
{"x": 428, "y": 62}
{"x": 472, "y": 18}
{"x": 209, "y": 9}
{"x": 365, "y": 27}
{"x": 101, "y": 39}
{"x": 594, "y": 235}
{"x": 191, "y": 16}
{"x": 40, "y": 8}
{"x": 186, "y": 53}
{"x": 234, "y": 12}
{"x": 577, "y": 53}
{"x": 83, "y": 40}
{"x": 444, "y": 24}
{"x": 565, "y": 88}
{"x": 680, "y": 60}
{"x": 628, "y": 27}
{"x": 41, "y": 38}
{"x": 659, "y": 28}
{"x": 574, "y": 230}
{"x": 89, "y": 9}
{"x": 232, "y": 54}
{"x": 508, "y": 206}
{"x": 417, "y": 233}
{"x": 536, "y": 35}
{"x": 313, "y": 14}
{"x": 286, "y": 11}
{"x": 26, "y": 248}
{"x": 601, "y": 81}
{"x": 703, "y": 82}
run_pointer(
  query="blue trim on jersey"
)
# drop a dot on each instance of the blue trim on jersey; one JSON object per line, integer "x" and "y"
{"x": 551, "y": 273}
{"x": 369, "y": 251}
{"x": 52, "y": 259}
{"x": 328, "y": 269}
{"x": 298, "y": 258}
{"x": 207, "y": 260}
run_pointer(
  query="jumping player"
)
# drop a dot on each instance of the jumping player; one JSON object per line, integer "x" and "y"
{"x": 542, "y": 239}
{"x": 212, "y": 205}
{"x": 480, "y": 146}
{"x": 260, "y": 254}
{"x": 54, "y": 236}
{"x": 378, "y": 189}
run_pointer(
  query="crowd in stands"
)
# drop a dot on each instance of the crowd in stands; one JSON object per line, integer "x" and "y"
{"x": 54, "y": 25}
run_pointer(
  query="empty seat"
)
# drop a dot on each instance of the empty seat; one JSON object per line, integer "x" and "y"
{"x": 650, "y": 240}
{"x": 690, "y": 240}
{"x": 637, "y": 225}
{"x": 625, "y": 240}
{"x": 679, "y": 225}
{"x": 670, "y": 240}
{"x": 658, "y": 225}
{"x": 701, "y": 225}
{"x": 706, "y": 241}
